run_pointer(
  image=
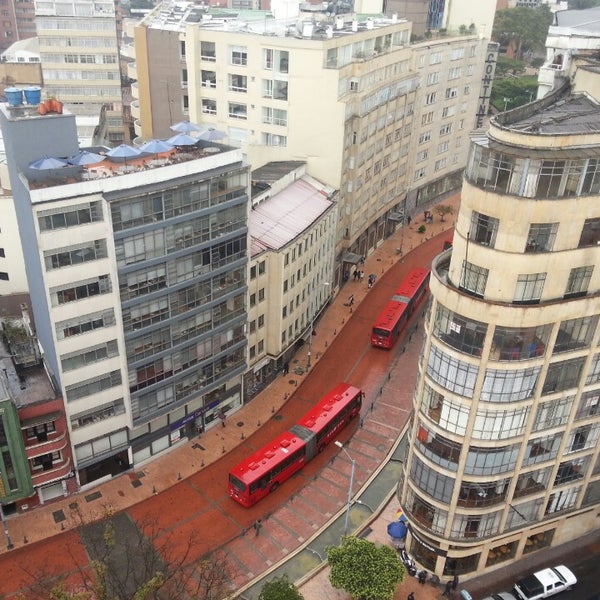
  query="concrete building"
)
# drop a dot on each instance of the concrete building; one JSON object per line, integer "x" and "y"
{"x": 573, "y": 34}
{"x": 17, "y": 23}
{"x": 293, "y": 225}
{"x": 35, "y": 433}
{"x": 137, "y": 273}
{"x": 504, "y": 455}
{"x": 79, "y": 50}
{"x": 257, "y": 80}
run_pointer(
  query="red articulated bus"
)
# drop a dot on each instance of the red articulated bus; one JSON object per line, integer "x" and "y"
{"x": 393, "y": 317}
{"x": 265, "y": 470}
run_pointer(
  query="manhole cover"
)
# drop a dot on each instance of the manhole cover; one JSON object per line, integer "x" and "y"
{"x": 240, "y": 423}
{"x": 292, "y": 382}
{"x": 278, "y": 417}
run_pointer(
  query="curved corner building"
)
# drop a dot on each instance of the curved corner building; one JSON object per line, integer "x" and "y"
{"x": 503, "y": 458}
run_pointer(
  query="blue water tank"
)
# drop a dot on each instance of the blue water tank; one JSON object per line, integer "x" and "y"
{"x": 14, "y": 96}
{"x": 33, "y": 95}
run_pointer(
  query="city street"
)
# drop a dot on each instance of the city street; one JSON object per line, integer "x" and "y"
{"x": 197, "y": 507}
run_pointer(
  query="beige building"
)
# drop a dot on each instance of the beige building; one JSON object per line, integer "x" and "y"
{"x": 345, "y": 96}
{"x": 293, "y": 225}
{"x": 79, "y": 52}
{"x": 504, "y": 457}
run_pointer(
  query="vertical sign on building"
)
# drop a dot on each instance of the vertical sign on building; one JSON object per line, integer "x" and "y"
{"x": 486, "y": 85}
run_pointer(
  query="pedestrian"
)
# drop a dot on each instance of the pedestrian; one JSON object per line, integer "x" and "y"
{"x": 257, "y": 525}
{"x": 448, "y": 588}
{"x": 422, "y": 577}
{"x": 408, "y": 219}
{"x": 351, "y": 300}
{"x": 355, "y": 274}
{"x": 362, "y": 260}
{"x": 411, "y": 596}
{"x": 455, "y": 582}
{"x": 286, "y": 368}
{"x": 362, "y": 275}
{"x": 222, "y": 416}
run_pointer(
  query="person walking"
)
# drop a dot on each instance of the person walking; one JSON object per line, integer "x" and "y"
{"x": 448, "y": 588}
{"x": 286, "y": 368}
{"x": 455, "y": 582}
{"x": 351, "y": 300}
{"x": 257, "y": 525}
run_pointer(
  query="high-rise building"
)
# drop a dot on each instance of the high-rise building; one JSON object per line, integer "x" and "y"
{"x": 138, "y": 287}
{"x": 79, "y": 51}
{"x": 504, "y": 454}
{"x": 17, "y": 22}
{"x": 382, "y": 121}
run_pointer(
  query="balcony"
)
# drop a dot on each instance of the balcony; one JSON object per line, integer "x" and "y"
{"x": 135, "y": 91}
{"x": 135, "y": 109}
{"x": 128, "y": 51}
{"x": 132, "y": 71}
{"x": 56, "y": 472}
{"x": 53, "y": 443}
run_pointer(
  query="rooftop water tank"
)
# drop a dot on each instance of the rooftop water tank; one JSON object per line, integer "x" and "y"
{"x": 33, "y": 95}
{"x": 14, "y": 96}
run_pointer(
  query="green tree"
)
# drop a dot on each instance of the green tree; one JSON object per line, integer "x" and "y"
{"x": 365, "y": 570}
{"x": 444, "y": 209}
{"x": 508, "y": 66}
{"x": 523, "y": 28}
{"x": 512, "y": 92}
{"x": 280, "y": 589}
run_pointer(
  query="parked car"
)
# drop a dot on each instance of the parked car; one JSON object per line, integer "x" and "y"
{"x": 544, "y": 583}
{"x": 500, "y": 596}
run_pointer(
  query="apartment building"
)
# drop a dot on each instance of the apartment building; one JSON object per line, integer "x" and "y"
{"x": 504, "y": 455}
{"x": 293, "y": 225}
{"x": 79, "y": 51}
{"x": 336, "y": 92}
{"x": 17, "y": 21}
{"x": 137, "y": 274}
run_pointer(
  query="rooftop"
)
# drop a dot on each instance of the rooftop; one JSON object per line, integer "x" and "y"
{"x": 332, "y": 19}
{"x": 277, "y": 221}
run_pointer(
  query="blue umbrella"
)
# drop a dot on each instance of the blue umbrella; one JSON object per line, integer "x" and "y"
{"x": 212, "y": 135}
{"x": 47, "y": 162}
{"x": 83, "y": 157}
{"x": 123, "y": 151}
{"x": 185, "y": 127}
{"x": 182, "y": 139}
{"x": 397, "y": 530}
{"x": 156, "y": 146}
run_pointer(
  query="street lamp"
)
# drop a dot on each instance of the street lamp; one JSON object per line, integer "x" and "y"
{"x": 9, "y": 544}
{"x": 312, "y": 322}
{"x": 353, "y": 466}
{"x": 506, "y": 101}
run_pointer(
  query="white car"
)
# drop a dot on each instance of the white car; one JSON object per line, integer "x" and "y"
{"x": 500, "y": 596}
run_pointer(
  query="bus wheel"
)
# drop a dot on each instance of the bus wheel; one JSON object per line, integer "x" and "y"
{"x": 274, "y": 487}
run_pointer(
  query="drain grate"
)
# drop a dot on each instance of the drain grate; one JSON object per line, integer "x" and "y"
{"x": 136, "y": 483}
{"x": 59, "y": 516}
{"x": 92, "y": 497}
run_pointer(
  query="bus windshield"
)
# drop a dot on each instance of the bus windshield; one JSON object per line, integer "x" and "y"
{"x": 381, "y": 332}
{"x": 239, "y": 485}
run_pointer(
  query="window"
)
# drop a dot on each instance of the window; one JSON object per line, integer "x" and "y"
{"x": 427, "y": 118}
{"x": 209, "y": 107}
{"x": 519, "y": 343}
{"x": 448, "y": 111}
{"x": 461, "y": 333}
{"x": 435, "y": 58}
{"x": 354, "y": 85}
{"x": 419, "y": 174}
{"x": 274, "y": 116}
{"x": 430, "y": 98}
{"x": 93, "y": 386}
{"x": 276, "y": 60}
{"x": 484, "y": 229}
{"x": 501, "y": 385}
{"x": 446, "y": 129}
{"x": 238, "y": 111}
{"x": 542, "y": 449}
{"x": 252, "y": 300}
{"x": 78, "y": 215}
{"x": 473, "y": 279}
{"x": 4, "y": 276}
{"x": 86, "y": 289}
{"x": 439, "y": 164}
{"x": 88, "y": 356}
{"x": 433, "y": 78}
{"x": 443, "y": 147}
{"x": 271, "y": 139}
{"x": 238, "y": 83}
{"x": 454, "y": 73}
{"x": 276, "y": 89}
{"x": 590, "y": 234}
{"x": 552, "y": 413}
{"x": 563, "y": 375}
{"x": 81, "y": 253}
{"x": 84, "y": 323}
{"x": 541, "y": 237}
{"x": 238, "y": 55}
{"x": 579, "y": 280}
{"x": 421, "y": 156}
{"x": 451, "y": 93}
{"x": 575, "y": 333}
{"x": 593, "y": 375}
{"x": 529, "y": 288}
{"x": 97, "y": 414}
{"x": 207, "y": 51}
{"x": 454, "y": 375}
{"x": 424, "y": 137}
{"x": 209, "y": 79}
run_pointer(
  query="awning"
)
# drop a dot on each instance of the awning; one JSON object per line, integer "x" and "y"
{"x": 45, "y": 418}
{"x": 396, "y": 216}
{"x": 350, "y": 257}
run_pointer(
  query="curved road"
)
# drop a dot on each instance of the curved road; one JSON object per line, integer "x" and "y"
{"x": 198, "y": 508}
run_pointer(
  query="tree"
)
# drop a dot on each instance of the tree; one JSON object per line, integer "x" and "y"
{"x": 135, "y": 561}
{"x": 508, "y": 66}
{"x": 365, "y": 570}
{"x": 523, "y": 29}
{"x": 444, "y": 209}
{"x": 512, "y": 92}
{"x": 280, "y": 589}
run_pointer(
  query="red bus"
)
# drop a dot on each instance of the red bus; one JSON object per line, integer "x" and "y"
{"x": 400, "y": 307}
{"x": 263, "y": 472}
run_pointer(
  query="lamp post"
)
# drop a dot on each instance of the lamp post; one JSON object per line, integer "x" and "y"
{"x": 353, "y": 466}
{"x": 312, "y": 322}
